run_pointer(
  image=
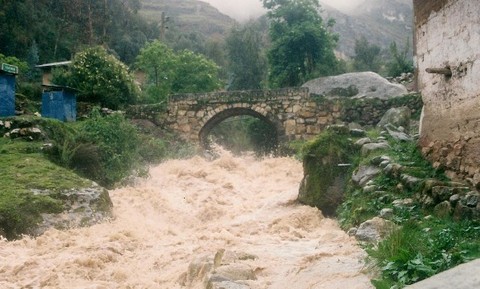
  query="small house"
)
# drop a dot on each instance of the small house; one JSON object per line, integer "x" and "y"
{"x": 7, "y": 89}
{"x": 47, "y": 70}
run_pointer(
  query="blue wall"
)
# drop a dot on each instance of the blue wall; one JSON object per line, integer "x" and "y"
{"x": 61, "y": 105}
{"x": 7, "y": 95}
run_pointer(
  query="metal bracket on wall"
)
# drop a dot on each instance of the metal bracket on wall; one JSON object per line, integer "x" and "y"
{"x": 445, "y": 71}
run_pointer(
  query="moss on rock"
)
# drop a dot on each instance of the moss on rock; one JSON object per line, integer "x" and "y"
{"x": 327, "y": 168}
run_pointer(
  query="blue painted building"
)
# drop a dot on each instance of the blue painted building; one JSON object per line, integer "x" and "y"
{"x": 59, "y": 102}
{"x": 7, "y": 89}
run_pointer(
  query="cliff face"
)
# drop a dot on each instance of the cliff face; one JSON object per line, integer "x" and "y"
{"x": 447, "y": 41}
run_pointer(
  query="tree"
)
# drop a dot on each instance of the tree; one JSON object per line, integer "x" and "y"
{"x": 169, "y": 72}
{"x": 367, "y": 56}
{"x": 302, "y": 47}
{"x": 195, "y": 73}
{"x": 33, "y": 73}
{"x": 101, "y": 78}
{"x": 158, "y": 62}
{"x": 401, "y": 62}
{"x": 247, "y": 64}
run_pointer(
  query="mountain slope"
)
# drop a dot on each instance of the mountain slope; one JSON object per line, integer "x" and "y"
{"x": 381, "y": 22}
{"x": 188, "y": 16}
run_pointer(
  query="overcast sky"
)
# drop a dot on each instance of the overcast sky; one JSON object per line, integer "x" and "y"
{"x": 245, "y": 9}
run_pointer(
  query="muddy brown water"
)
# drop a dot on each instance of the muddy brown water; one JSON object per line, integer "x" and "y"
{"x": 188, "y": 209}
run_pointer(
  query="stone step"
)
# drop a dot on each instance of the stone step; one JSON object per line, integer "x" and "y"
{"x": 465, "y": 276}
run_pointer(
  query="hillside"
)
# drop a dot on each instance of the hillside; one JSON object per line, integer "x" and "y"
{"x": 380, "y": 21}
{"x": 188, "y": 16}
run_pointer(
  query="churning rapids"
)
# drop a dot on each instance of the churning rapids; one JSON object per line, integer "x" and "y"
{"x": 186, "y": 210}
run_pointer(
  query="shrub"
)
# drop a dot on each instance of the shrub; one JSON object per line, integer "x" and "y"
{"x": 115, "y": 141}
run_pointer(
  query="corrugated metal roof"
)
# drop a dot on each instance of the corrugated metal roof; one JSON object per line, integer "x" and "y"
{"x": 62, "y": 63}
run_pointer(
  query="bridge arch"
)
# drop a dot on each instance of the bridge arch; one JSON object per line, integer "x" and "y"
{"x": 217, "y": 118}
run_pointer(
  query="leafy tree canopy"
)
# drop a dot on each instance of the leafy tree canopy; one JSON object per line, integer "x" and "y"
{"x": 170, "y": 72}
{"x": 302, "y": 47}
{"x": 101, "y": 78}
{"x": 195, "y": 73}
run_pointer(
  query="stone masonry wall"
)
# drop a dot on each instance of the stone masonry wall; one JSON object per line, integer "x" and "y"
{"x": 450, "y": 127}
{"x": 291, "y": 111}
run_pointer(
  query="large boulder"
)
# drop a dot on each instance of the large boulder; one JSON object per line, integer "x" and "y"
{"x": 82, "y": 207}
{"x": 224, "y": 270}
{"x": 356, "y": 85}
{"x": 396, "y": 116}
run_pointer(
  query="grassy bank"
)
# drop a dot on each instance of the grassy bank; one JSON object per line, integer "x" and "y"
{"x": 40, "y": 154}
{"x": 425, "y": 241}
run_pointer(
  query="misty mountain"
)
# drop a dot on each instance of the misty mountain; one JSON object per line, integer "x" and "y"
{"x": 381, "y": 22}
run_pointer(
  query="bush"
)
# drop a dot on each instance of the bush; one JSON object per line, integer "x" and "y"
{"x": 114, "y": 141}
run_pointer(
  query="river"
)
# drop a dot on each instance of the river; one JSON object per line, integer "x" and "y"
{"x": 188, "y": 209}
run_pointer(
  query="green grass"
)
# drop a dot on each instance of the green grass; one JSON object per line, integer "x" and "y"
{"x": 419, "y": 250}
{"x": 422, "y": 245}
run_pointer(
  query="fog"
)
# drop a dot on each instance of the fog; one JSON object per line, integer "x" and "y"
{"x": 245, "y": 9}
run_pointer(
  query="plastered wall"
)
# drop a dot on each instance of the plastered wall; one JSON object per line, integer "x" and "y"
{"x": 448, "y": 37}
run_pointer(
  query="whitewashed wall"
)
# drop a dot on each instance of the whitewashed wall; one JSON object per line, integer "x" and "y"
{"x": 450, "y": 127}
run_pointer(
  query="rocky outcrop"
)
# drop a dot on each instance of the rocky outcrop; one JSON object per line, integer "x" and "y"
{"x": 82, "y": 207}
{"x": 355, "y": 85}
{"x": 374, "y": 230}
{"x": 327, "y": 169}
{"x": 224, "y": 270}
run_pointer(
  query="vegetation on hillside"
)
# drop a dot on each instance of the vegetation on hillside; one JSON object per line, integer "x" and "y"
{"x": 245, "y": 46}
{"x": 60, "y": 28}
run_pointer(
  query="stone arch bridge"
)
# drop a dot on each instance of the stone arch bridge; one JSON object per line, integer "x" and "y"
{"x": 291, "y": 112}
